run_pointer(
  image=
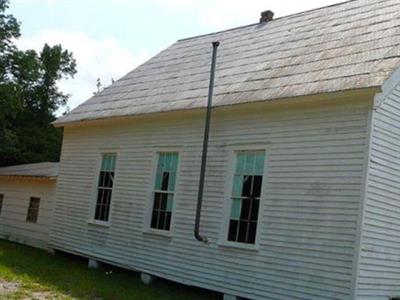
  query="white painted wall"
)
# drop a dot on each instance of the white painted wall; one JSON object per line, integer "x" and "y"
{"x": 379, "y": 266}
{"x": 311, "y": 198}
{"x": 13, "y": 225}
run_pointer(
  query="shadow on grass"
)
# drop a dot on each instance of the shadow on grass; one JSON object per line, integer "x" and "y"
{"x": 68, "y": 274}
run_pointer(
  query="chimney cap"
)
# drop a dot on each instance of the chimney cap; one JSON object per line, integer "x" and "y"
{"x": 266, "y": 16}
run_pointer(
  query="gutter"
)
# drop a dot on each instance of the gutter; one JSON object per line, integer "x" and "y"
{"x": 205, "y": 147}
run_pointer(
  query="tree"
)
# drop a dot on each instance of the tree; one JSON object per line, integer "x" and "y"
{"x": 29, "y": 96}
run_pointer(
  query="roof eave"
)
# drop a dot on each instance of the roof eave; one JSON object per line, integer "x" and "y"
{"x": 29, "y": 177}
{"x": 320, "y": 96}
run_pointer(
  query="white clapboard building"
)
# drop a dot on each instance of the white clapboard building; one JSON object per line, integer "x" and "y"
{"x": 27, "y": 195}
{"x": 302, "y": 182}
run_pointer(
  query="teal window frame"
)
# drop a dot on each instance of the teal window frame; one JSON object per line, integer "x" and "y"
{"x": 105, "y": 186}
{"x": 164, "y": 190}
{"x": 245, "y": 196}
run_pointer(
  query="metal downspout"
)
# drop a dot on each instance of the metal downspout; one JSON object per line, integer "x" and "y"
{"x": 205, "y": 146}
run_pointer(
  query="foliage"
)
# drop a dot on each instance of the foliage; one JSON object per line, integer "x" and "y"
{"x": 67, "y": 277}
{"x": 29, "y": 96}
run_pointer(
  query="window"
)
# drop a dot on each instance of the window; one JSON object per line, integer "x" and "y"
{"x": 104, "y": 187}
{"x": 33, "y": 210}
{"x": 164, "y": 187}
{"x": 1, "y": 202}
{"x": 245, "y": 198}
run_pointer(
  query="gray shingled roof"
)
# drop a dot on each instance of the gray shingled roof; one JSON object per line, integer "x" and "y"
{"x": 38, "y": 170}
{"x": 341, "y": 47}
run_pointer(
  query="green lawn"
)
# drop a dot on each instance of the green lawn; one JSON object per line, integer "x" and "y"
{"x": 29, "y": 273}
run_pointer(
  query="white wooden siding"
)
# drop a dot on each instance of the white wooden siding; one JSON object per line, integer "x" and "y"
{"x": 307, "y": 227}
{"x": 379, "y": 266}
{"x": 17, "y": 193}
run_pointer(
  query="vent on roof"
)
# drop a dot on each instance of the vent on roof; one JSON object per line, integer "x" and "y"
{"x": 266, "y": 16}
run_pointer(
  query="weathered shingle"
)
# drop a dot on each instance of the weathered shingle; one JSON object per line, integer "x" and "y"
{"x": 340, "y": 47}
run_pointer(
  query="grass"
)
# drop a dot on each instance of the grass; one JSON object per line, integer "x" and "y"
{"x": 44, "y": 276}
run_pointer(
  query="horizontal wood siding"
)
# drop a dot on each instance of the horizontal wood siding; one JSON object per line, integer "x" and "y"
{"x": 308, "y": 224}
{"x": 17, "y": 193}
{"x": 379, "y": 275}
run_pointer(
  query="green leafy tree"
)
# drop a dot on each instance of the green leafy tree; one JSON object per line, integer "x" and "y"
{"x": 29, "y": 96}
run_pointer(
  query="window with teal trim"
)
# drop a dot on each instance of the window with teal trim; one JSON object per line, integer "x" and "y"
{"x": 105, "y": 186}
{"x": 164, "y": 188}
{"x": 246, "y": 192}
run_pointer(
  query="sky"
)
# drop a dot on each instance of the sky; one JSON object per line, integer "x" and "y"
{"x": 109, "y": 38}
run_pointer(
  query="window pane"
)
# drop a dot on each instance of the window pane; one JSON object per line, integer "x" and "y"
{"x": 244, "y": 213}
{"x": 172, "y": 179}
{"x": 254, "y": 210}
{"x": 242, "y": 236}
{"x": 105, "y": 185}
{"x": 240, "y": 162}
{"x": 259, "y": 163}
{"x": 157, "y": 200}
{"x": 164, "y": 186}
{"x": 174, "y": 162}
{"x": 233, "y": 227}
{"x": 163, "y": 205}
{"x": 247, "y": 186}
{"x": 103, "y": 215}
{"x": 154, "y": 219}
{"x": 246, "y": 191}
{"x": 106, "y": 179}
{"x": 236, "y": 208}
{"x": 108, "y": 162}
{"x": 101, "y": 178}
{"x": 256, "y": 190}
{"x": 166, "y": 171}
{"x": 168, "y": 221}
{"x": 33, "y": 210}
{"x": 237, "y": 186}
{"x": 103, "y": 204}
{"x": 158, "y": 182}
{"x": 161, "y": 220}
{"x": 167, "y": 166}
{"x": 97, "y": 212}
{"x": 100, "y": 196}
{"x": 169, "y": 202}
{"x": 165, "y": 180}
{"x": 109, "y": 179}
{"x": 252, "y": 232}
{"x": 250, "y": 163}
{"x": 162, "y": 162}
{"x": 168, "y": 161}
{"x": 161, "y": 215}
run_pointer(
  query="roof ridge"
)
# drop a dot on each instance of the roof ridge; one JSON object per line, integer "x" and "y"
{"x": 279, "y": 18}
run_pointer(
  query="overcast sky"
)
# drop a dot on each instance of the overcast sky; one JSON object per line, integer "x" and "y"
{"x": 111, "y": 37}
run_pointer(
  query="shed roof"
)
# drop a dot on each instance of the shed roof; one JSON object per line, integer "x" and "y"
{"x": 342, "y": 47}
{"x": 38, "y": 170}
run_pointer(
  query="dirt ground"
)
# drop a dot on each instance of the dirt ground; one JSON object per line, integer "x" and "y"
{"x": 7, "y": 287}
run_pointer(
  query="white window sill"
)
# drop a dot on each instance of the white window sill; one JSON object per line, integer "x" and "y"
{"x": 239, "y": 246}
{"x": 99, "y": 223}
{"x": 156, "y": 232}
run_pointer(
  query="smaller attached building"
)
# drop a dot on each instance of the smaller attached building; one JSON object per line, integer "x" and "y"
{"x": 27, "y": 194}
